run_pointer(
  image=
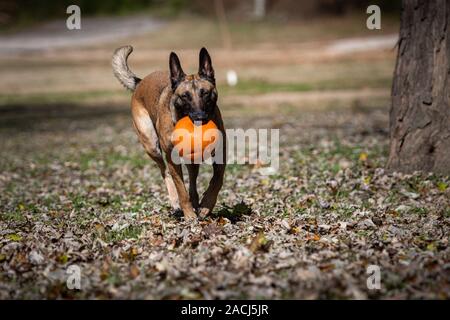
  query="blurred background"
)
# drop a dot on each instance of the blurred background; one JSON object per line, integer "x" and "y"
{"x": 284, "y": 52}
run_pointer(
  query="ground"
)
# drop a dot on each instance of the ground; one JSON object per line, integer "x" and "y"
{"x": 78, "y": 189}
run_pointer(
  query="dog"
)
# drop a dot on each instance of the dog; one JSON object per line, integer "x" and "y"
{"x": 159, "y": 100}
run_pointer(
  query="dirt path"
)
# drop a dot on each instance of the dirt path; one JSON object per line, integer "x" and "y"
{"x": 100, "y": 30}
{"x": 94, "y": 30}
{"x": 352, "y": 45}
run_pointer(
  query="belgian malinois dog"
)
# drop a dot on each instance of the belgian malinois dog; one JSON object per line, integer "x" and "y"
{"x": 159, "y": 100}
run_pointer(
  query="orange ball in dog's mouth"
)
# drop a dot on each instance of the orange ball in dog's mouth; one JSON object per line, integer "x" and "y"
{"x": 194, "y": 142}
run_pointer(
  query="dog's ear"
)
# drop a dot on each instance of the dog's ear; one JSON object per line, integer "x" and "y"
{"x": 205, "y": 69}
{"x": 176, "y": 72}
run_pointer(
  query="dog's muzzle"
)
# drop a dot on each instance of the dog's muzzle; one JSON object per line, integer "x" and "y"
{"x": 199, "y": 116}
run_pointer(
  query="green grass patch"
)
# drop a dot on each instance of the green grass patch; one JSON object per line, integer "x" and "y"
{"x": 250, "y": 86}
{"x": 419, "y": 210}
{"x": 111, "y": 159}
{"x": 255, "y": 86}
{"x": 130, "y": 232}
{"x": 259, "y": 86}
{"x": 14, "y": 216}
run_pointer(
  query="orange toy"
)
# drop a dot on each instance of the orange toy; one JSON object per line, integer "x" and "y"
{"x": 192, "y": 142}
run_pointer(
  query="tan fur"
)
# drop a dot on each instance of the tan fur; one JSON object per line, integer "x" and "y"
{"x": 155, "y": 108}
{"x": 153, "y": 117}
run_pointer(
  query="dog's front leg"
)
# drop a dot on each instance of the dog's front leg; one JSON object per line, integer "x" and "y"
{"x": 176, "y": 172}
{"x": 193, "y": 174}
{"x": 209, "y": 198}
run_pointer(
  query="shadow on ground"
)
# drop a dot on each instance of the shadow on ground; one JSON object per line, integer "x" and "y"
{"x": 55, "y": 117}
{"x": 234, "y": 214}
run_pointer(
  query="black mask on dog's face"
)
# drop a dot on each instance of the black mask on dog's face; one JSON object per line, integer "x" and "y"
{"x": 194, "y": 95}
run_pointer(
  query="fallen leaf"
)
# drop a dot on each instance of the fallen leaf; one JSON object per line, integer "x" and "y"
{"x": 363, "y": 157}
{"x": 259, "y": 242}
{"x": 442, "y": 186}
{"x": 14, "y": 237}
{"x": 294, "y": 230}
{"x": 63, "y": 258}
{"x": 134, "y": 271}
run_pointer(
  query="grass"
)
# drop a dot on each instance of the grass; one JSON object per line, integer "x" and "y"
{"x": 111, "y": 159}
{"x": 245, "y": 34}
{"x": 250, "y": 86}
{"x": 130, "y": 232}
{"x": 15, "y": 216}
{"x": 254, "y": 86}
{"x": 419, "y": 210}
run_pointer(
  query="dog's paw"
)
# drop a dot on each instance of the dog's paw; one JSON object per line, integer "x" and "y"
{"x": 190, "y": 216}
{"x": 203, "y": 212}
{"x": 179, "y": 214}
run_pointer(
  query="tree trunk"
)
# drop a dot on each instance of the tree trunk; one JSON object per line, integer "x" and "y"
{"x": 420, "y": 111}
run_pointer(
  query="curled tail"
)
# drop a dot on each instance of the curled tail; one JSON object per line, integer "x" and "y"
{"x": 121, "y": 70}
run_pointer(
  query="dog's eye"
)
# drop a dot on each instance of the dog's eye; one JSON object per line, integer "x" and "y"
{"x": 204, "y": 93}
{"x": 178, "y": 102}
{"x": 186, "y": 96}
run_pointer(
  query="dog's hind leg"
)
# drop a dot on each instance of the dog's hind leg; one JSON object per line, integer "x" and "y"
{"x": 149, "y": 139}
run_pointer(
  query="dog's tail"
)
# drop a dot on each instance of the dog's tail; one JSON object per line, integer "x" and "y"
{"x": 121, "y": 70}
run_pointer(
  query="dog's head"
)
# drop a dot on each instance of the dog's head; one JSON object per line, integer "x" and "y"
{"x": 193, "y": 95}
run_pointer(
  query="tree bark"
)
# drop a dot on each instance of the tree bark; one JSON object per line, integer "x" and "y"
{"x": 420, "y": 111}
